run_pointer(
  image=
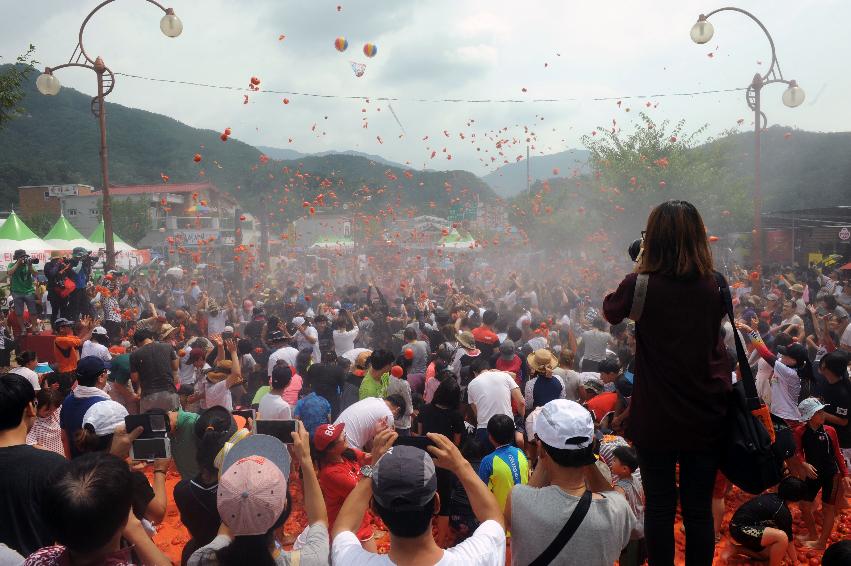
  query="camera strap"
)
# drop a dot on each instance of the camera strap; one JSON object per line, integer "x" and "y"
{"x": 638, "y": 296}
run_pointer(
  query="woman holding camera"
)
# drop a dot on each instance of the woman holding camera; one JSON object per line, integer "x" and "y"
{"x": 682, "y": 377}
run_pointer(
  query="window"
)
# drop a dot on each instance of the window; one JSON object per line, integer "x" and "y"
{"x": 94, "y": 212}
{"x": 71, "y": 212}
{"x": 46, "y": 195}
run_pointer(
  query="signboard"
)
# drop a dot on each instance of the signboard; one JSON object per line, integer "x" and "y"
{"x": 778, "y": 246}
{"x": 461, "y": 212}
{"x": 62, "y": 190}
{"x": 193, "y": 237}
{"x": 845, "y": 234}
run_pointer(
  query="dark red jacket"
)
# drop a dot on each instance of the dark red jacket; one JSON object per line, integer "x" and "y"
{"x": 682, "y": 374}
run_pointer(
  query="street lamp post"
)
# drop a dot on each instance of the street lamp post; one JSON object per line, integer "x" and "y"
{"x": 48, "y": 84}
{"x": 702, "y": 32}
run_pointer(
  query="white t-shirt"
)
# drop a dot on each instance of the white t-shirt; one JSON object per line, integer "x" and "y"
{"x": 486, "y": 547}
{"x": 287, "y": 354}
{"x": 216, "y": 394}
{"x": 360, "y": 419}
{"x": 216, "y": 324}
{"x": 27, "y": 373}
{"x": 303, "y": 342}
{"x": 352, "y": 355}
{"x": 95, "y": 349}
{"x": 274, "y": 408}
{"x": 490, "y": 391}
{"x": 845, "y": 340}
{"x": 187, "y": 373}
{"x": 344, "y": 340}
{"x": 785, "y": 388}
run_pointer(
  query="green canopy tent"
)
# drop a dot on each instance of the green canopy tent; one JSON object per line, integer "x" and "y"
{"x": 63, "y": 236}
{"x": 97, "y": 239}
{"x": 15, "y": 235}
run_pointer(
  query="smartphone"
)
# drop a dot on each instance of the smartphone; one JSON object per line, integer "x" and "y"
{"x": 421, "y": 442}
{"x": 282, "y": 430}
{"x": 156, "y": 425}
{"x": 150, "y": 449}
{"x": 246, "y": 413}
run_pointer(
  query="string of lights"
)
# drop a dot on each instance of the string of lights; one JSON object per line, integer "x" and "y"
{"x": 435, "y": 100}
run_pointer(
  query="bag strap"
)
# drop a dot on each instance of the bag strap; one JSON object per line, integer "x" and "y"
{"x": 638, "y": 296}
{"x": 566, "y": 533}
{"x": 751, "y": 396}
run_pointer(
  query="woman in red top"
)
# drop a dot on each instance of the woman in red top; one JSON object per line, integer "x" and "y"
{"x": 682, "y": 378}
{"x": 339, "y": 472}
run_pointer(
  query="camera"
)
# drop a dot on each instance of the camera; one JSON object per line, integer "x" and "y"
{"x": 29, "y": 260}
{"x": 634, "y": 250}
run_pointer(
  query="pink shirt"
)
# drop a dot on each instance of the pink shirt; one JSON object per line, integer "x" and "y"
{"x": 290, "y": 394}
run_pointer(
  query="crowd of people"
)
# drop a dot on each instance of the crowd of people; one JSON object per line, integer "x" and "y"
{"x": 555, "y": 419}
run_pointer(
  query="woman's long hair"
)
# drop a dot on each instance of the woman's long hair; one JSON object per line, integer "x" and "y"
{"x": 253, "y": 549}
{"x": 675, "y": 243}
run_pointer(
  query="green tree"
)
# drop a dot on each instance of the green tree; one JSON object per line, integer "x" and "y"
{"x": 634, "y": 171}
{"x": 12, "y": 83}
{"x": 130, "y": 218}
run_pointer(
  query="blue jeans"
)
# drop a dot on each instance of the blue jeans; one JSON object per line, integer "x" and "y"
{"x": 697, "y": 478}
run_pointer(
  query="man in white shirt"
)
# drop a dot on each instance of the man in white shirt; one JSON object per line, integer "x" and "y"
{"x": 95, "y": 346}
{"x": 402, "y": 486}
{"x": 307, "y": 337}
{"x": 491, "y": 393}
{"x": 369, "y": 416}
{"x": 272, "y": 405}
{"x": 284, "y": 352}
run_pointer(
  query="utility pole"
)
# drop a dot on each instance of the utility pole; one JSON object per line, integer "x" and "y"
{"x": 528, "y": 173}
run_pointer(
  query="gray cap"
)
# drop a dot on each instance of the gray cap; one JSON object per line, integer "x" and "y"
{"x": 405, "y": 479}
{"x": 772, "y": 297}
{"x": 507, "y": 349}
{"x": 840, "y": 312}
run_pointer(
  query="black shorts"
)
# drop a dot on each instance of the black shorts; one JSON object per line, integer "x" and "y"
{"x": 827, "y": 484}
{"x": 749, "y": 536}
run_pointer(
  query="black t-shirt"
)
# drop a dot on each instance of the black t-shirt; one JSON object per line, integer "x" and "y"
{"x": 326, "y": 340}
{"x": 447, "y": 422}
{"x": 198, "y": 511}
{"x": 153, "y": 364}
{"x": 818, "y": 450}
{"x": 326, "y": 379}
{"x": 24, "y": 475}
{"x": 143, "y": 493}
{"x": 838, "y": 399}
{"x": 765, "y": 510}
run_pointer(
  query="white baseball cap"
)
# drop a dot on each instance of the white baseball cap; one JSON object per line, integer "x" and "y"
{"x": 809, "y": 407}
{"x": 298, "y": 321}
{"x": 104, "y": 416}
{"x": 99, "y": 330}
{"x": 565, "y": 425}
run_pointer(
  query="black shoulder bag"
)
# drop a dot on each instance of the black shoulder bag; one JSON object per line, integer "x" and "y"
{"x": 749, "y": 458}
{"x": 566, "y": 533}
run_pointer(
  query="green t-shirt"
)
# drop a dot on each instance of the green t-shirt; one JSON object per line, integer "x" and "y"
{"x": 371, "y": 388}
{"x": 183, "y": 445}
{"x": 21, "y": 280}
{"x": 119, "y": 371}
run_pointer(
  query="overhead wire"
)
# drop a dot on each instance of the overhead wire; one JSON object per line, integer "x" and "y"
{"x": 434, "y": 100}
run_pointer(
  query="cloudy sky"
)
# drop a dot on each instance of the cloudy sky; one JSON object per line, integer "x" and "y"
{"x": 447, "y": 49}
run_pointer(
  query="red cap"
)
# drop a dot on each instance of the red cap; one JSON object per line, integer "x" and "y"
{"x": 327, "y": 434}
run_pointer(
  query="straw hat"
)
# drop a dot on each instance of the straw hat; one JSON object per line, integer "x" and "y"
{"x": 541, "y": 358}
{"x": 466, "y": 339}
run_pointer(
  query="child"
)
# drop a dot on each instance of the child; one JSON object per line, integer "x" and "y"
{"x": 820, "y": 447}
{"x": 762, "y": 526}
{"x": 624, "y": 465}
{"x": 507, "y": 465}
{"x": 46, "y": 432}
